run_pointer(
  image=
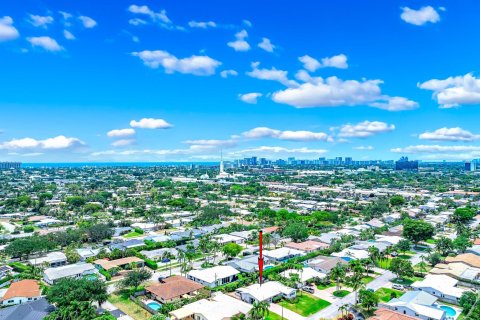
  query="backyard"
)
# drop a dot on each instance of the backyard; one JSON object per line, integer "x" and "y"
{"x": 129, "y": 307}
{"x": 305, "y": 304}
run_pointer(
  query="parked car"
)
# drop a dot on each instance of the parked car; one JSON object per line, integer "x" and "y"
{"x": 397, "y": 286}
{"x": 308, "y": 289}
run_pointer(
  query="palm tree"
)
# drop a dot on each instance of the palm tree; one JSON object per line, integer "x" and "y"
{"x": 337, "y": 273}
{"x": 259, "y": 310}
{"x": 373, "y": 253}
{"x": 355, "y": 282}
{"x": 343, "y": 309}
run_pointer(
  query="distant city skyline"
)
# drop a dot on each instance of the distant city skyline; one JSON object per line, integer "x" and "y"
{"x": 166, "y": 81}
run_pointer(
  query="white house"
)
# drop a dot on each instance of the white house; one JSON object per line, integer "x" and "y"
{"x": 215, "y": 276}
{"x": 51, "y": 259}
{"x": 268, "y": 291}
{"x": 77, "y": 270}
{"x": 441, "y": 286}
{"x": 282, "y": 254}
{"x": 416, "y": 304}
{"x": 219, "y": 306}
{"x": 21, "y": 292}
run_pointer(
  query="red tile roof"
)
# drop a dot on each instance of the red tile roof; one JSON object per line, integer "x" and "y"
{"x": 23, "y": 288}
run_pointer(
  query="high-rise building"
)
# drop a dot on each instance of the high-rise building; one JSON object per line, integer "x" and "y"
{"x": 348, "y": 160}
{"x": 405, "y": 164}
{"x": 10, "y": 165}
{"x": 472, "y": 165}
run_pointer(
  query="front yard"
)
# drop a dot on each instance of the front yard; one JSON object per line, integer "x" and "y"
{"x": 305, "y": 304}
{"x": 386, "y": 294}
{"x": 129, "y": 307}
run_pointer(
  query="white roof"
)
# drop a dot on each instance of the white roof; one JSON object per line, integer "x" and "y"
{"x": 306, "y": 274}
{"x": 282, "y": 253}
{"x": 69, "y": 270}
{"x": 50, "y": 257}
{"x": 219, "y": 307}
{"x": 210, "y": 275}
{"x": 267, "y": 290}
{"x": 224, "y": 238}
{"x": 441, "y": 283}
{"x": 351, "y": 253}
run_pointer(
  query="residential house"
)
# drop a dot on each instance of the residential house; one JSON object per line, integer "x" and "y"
{"x": 282, "y": 254}
{"x": 247, "y": 264}
{"x": 220, "y": 306}
{"x": 51, "y": 260}
{"x": 129, "y": 244}
{"x": 441, "y": 286}
{"x": 215, "y": 276}
{"x": 173, "y": 288}
{"x": 417, "y": 304}
{"x": 386, "y": 314}
{"x": 307, "y": 246}
{"x": 34, "y": 310}
{"x": 122, "y": 263}
{"x": 158, "y": 254}
{"x": 325, "y": 264}
{"x": 305, "y": 274}
{"x": 223, "y": 239}
{"x": 77, "y": 270}
{"x": 21, "y": 291}
{"x": 268, "y": 291}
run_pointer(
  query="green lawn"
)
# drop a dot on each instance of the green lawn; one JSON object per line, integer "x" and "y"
{"x": 386, "y": 294}
{"x": 341, "y": 293}
{"x": 407, "y": 280}
{"x": 129, "y": 307}
{"x": 323, "y": 287}
{"x": 384, "y": 263}
{"x": 305, "y": 304}
{"x": 132, "y": 234}
{"x": 367, "y": 279}
{"x": 273, "y": 316}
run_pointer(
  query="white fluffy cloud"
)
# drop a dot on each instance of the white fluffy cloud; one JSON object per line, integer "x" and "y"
{"x": 278, "y": 151}
{"x": 40, "y": 21}
{"x": 250, "y": 97}
{"x": 56, "y": 143}
{"x": 196, "y": 65}
{"x": 123, "y": 142}
{"x": 117, "y": 133}
{"x": 212, "y": 144}
{"x": 364, "y": 148}
{"x": 454, "y": 91}
{"x": 272, "y": 74}
{"x": 436, "y": 149}
{"x": 150, "y": 123}
{"x": 288, "y": 135}
{"x": 335, "y": 92}
{"x": 449, "y": 134}
{"x": 240, "y": 44}
{"x": 160, "y": 18}
{"x": 202, "y": 24}
{"x": 7, "y": 30}
{"x": 364, "y": 129}
{"x": 421, "y": 16}
{"x": 266, "y": 45}
{"x": 45, "y": 43}
{"x": 87, "y": 22}
{"x": 68, "y": 35}
{"x": 312, "y": 64}
{"x": 228, "y": 73}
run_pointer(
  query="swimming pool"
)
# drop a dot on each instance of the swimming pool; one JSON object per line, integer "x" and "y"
{"x": 449, "y": 311}
{"x": 154, "y": 305}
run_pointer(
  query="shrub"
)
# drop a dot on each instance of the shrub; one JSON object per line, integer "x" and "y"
{"x": 151, "y": 264}
{"x": 105, "y": 273}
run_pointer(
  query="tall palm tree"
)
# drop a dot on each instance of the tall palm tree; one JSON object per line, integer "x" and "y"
{"x": 337, "y": 273}
{"x": 259, "y": 310}
{"x": 356, "y": 283}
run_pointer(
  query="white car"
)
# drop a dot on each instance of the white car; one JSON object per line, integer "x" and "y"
{"x": 397, "y": 286}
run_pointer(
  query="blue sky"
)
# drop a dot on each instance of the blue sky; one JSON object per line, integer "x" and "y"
{"x": 182, "y": 80}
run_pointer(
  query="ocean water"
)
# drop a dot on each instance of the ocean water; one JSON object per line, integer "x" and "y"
{"x": 113, "y": 164}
